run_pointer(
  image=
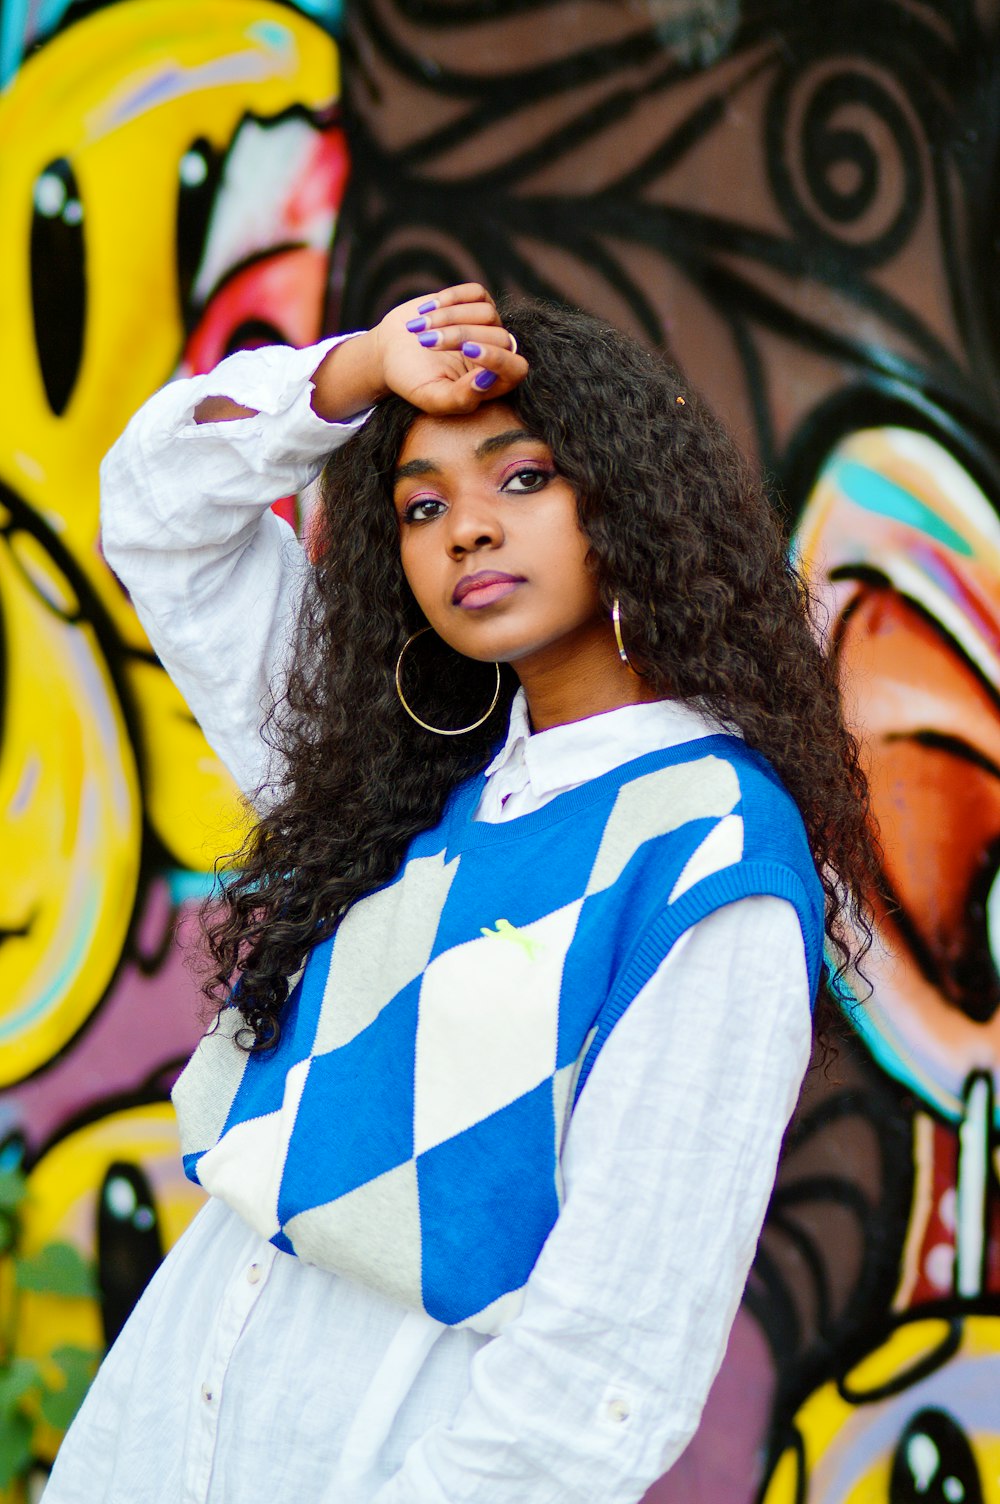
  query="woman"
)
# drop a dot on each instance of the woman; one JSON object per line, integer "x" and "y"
{"x": 527, "y": 931}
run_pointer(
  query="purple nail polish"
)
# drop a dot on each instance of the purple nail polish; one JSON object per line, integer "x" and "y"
{"x": 485, "y": 379}
{"x": 473, "y": 351}
{"x": 429, "y": 339}
{"x": 428, "y": 307}
{"x": 417, "y": 326}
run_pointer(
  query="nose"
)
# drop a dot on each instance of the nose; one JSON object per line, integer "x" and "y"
{"x": 473, "y": 524}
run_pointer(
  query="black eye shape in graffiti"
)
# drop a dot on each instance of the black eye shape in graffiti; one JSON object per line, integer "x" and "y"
{"x": 58, "y": 279}
{"x": 198, "y": 173}
{"x": 129, "y": 1245}
{"x": 934, "y": 1463}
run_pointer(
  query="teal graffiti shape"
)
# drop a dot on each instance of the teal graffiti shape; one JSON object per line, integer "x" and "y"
{"x": 876, "y": 493}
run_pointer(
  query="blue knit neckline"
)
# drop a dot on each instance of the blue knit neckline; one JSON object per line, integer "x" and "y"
{"x": 463, "y": 833}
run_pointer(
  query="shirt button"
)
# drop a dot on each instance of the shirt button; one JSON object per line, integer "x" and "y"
{"x": 618, "y": 1411}
{"x": 206, "y": 1394}
{"x": 253, "y": 1274}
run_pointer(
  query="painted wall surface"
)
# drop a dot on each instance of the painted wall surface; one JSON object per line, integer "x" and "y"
{"x": 170, "y": 176}
{"x": 797, "y": 200}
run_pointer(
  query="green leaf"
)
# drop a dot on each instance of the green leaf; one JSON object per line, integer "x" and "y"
{"x": 57, "y": 1269}
{"x": 15, "y": 1448}
{"x": 13, "y": 1190}
{"x": 59, "y": 1406}
{"x": 15, "y": 1381}
{"x": 8, "y": 1232}
{"x": 69, "y": 1357}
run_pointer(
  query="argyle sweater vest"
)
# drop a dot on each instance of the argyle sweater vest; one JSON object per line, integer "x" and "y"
{"x": 406, "y": 1130}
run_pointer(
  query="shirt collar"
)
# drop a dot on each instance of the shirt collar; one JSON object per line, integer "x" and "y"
{"x": 518, "y": 735}
{"x": 581, "y": 750}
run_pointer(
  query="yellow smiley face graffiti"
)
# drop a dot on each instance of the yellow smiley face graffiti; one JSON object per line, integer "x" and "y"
{"x": 916, "y": 1420}
{"x": 69, "y": 799}
{"x": 113, "y": 1189}
{"x": 96, "y": 134}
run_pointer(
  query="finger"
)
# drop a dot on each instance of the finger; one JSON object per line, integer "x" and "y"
{"x": 483, "y": 315}
{"x": 459, "y": 336}
{"x": 450, "y": 297}
{"x": 500, "y": 369}
{"x": 502, "y": 362}
{"x": 494, "y": 373}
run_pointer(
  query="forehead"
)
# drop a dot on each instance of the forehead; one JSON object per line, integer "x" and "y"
{"x": 456, "y": 437}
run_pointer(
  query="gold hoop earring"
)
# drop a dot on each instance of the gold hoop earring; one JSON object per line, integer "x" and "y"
{"x": 439, "y": 730}
{"x": 616, "y": 619}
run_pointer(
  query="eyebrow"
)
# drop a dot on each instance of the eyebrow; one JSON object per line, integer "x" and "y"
{"x": 483, "y": 451}
{"x": 503, "y": 441}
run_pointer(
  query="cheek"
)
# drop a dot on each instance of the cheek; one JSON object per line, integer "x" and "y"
{"x": 555, "y": 525}
{"x": 418, "y": 568}
{"x": 585, "y": 592}
{"x": 577, "y": 579}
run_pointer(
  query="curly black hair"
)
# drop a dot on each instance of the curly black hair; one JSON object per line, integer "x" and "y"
{"x": 681, "y": 532}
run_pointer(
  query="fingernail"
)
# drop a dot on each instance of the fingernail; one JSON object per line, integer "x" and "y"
{"x": 429, "y": 306}
{"x": 473, "y": 351}
{"x": 417, "y": 326}
{"x": 485, "y": 379}
{"x": 429, "y": 339}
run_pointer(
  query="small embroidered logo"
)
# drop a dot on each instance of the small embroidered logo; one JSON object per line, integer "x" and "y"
{"x": 506, "y": 931}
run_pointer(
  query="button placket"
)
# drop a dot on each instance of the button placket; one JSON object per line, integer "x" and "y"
{"x": 243, "y": 1291}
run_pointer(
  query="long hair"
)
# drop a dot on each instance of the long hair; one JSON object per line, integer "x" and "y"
{"x": 681, "y": 532}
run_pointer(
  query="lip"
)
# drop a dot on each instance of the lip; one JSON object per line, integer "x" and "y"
{"x": 474, "y": 591}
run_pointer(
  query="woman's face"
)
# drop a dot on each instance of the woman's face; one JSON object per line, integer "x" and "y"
{"x": 490, "y": 541}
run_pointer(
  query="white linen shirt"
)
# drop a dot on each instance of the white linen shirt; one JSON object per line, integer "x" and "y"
{"x": 244, "y": 1375}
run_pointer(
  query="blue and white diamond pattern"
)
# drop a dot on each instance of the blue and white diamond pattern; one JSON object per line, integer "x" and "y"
{"x": 489, "y": 1024}
{"x": 413, "y": 1072}
{"x": 657, "y": 804}
{"x": 382, "y": 944}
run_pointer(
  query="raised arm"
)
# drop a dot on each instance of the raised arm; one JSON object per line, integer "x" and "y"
{"x": 215, "y": 576}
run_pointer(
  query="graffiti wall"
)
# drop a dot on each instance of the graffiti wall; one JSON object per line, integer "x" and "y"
{"x": 171, "y": 176}
{"x": 799, "y": 202}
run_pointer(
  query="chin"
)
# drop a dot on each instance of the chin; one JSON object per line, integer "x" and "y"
{"x": 489, "y": 647}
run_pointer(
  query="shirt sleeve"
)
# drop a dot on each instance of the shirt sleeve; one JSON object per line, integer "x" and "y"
{"x": 595, "y": 1389}
{"x": 215, "y": 576}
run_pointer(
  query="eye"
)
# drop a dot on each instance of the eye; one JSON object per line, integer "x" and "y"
{"x": 934, "y": 1463}
{"x": 129, "y": 1246}
{"x": 423, "y": 509}
{"x": 528, "y": 478}
{"x": 58, "y": 280}
{"x": 199, "y": 173}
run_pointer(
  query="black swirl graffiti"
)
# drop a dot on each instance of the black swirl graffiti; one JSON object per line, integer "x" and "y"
{"x": 587, "y": 154}
{"x": 828, "y": 176}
